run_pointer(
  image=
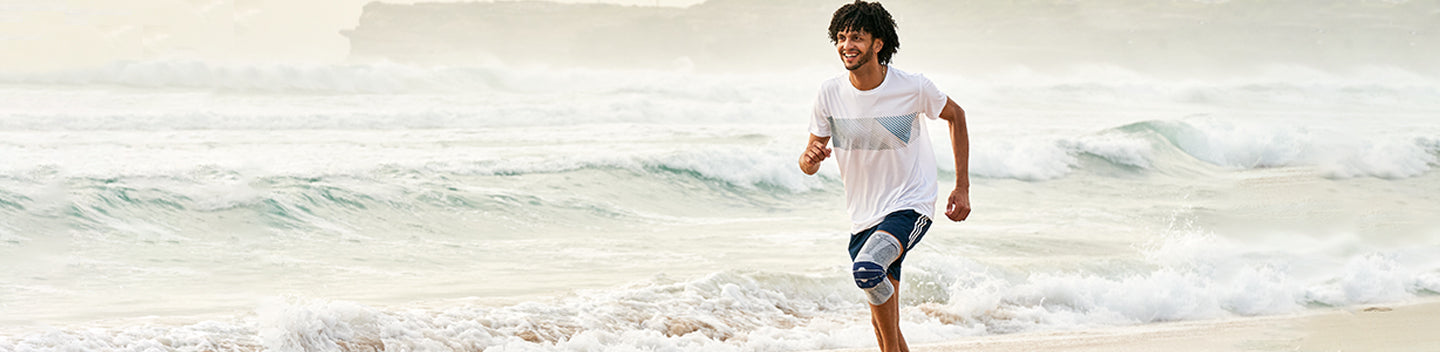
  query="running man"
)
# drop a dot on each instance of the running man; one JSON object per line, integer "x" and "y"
{"x": 872, "y": 117}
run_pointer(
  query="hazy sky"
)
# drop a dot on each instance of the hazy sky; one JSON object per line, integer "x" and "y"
{"x": 641, "y": 2}
{"x": 1162, "y": 36}
{"x": 51, "y": 34}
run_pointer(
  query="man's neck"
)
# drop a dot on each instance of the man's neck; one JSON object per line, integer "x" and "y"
{"x": 868, "y": 77}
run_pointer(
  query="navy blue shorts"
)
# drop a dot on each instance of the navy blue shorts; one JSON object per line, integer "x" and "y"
{"x": 908, "y": 226}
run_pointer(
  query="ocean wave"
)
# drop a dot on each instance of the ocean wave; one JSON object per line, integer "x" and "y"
{"x": 1256, "y": 146}
{"x": 1075, "y": 86}
{"x": 342, "y": 78}
{"x": 164, "y": 96}
{"x": 1040, "y": 158}
{"x": 324, "y": 200}
{"x": 1185, "y": 147}
{"x": 1185, "y": 277}
{"x": 342, "y": 174}
{"x": 723, "y": 311}
{"x": 1268, "y": 87}
{"x": 394, "y": 78}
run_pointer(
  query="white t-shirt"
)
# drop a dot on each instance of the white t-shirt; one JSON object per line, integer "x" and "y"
{"x": 881, "y": 144}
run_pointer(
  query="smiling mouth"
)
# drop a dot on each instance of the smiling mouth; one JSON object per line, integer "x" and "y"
{"x": 851, "y": 55}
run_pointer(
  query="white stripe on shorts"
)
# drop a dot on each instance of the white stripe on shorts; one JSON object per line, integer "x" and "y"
{"x": 915, "y": 232}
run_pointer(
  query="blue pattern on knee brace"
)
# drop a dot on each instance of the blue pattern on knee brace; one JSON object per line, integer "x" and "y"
{"x": 868, "y": 274}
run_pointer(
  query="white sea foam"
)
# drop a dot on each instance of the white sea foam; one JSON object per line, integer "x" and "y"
{"x": 1386, "y": 159}
{"x": 746, "y": 168}
{"x": 1216, "y": 283}
{"x": 1045, "y": 158}
{"x": 1371, "y": 90}
{"x": 1026, "y": 159}
{"x": 194, "y": 156}
{"x": 1342, "y": 155}
{"x": 1120, "y": 149}
{"x": 395, "y": 78}
{"x": 356, "y": 78}
{"x": 1225, "y": 144}
{"x": 371, "y": 186}
{"x": 1241, "y": 146}
{"x": 421, "y": 97}
{"x": 1080, "y": 86}
{"x": 1187, "y": 276}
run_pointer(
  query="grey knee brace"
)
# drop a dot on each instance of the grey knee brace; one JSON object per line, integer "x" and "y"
{"x": 875, "y": 256}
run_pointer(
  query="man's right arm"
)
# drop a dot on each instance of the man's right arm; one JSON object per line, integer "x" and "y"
{"x": 815, "y": 152}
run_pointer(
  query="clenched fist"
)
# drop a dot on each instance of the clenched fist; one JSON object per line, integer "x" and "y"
{"x": 814, "y": 154}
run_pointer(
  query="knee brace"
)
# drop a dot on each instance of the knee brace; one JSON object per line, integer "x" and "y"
{"x": 875, "y": 256}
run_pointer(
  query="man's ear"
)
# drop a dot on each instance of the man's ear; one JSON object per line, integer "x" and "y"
{"x": 879, "y": 44}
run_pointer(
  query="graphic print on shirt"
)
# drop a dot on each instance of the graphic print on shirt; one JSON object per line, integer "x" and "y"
{"x": 875, "y": 133}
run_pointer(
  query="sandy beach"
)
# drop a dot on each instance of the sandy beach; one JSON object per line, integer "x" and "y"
{"x": 1398, "y": 327}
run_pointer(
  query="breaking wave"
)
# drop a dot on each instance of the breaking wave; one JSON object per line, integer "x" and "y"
{"x": 1190, "y": 146}
{"x": 1183, "y": 277}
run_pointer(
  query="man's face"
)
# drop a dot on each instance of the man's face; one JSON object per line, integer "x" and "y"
{"x": 856, "y": 48}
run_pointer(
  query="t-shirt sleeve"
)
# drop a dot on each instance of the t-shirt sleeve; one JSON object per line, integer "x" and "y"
{"x": 820, "y": 121}
{"x": 932, "y": 101}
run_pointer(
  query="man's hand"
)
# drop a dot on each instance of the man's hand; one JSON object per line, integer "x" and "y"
{"x": 958, "y": 208}
{"x": 814, "y": 154}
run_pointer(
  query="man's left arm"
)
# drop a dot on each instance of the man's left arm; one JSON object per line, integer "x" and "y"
{"x": 958, "y": 207}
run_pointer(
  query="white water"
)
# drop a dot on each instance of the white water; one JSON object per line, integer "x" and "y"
{"x": 182, "y": 204}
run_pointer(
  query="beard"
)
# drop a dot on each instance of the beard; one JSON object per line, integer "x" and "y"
{"x": 861, "y": 60}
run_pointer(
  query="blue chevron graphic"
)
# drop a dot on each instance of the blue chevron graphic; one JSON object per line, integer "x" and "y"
{"x": 898, "y": 125}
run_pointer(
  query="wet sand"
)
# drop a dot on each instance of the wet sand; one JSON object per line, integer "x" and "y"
{"x": 1392, "y": 327}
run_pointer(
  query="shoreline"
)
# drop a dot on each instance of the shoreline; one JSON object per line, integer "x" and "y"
{"x": 1405, "y": 326}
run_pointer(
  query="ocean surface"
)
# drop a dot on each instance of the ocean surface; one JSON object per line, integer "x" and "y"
{"x": 190, "y": 205}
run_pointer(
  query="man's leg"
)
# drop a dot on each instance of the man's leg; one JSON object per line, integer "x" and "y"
{"x": 871, "y": 263}
{"x": 875, "y": 323}
{"x": 886, "y": 319}
{"x": 877, "y": 272}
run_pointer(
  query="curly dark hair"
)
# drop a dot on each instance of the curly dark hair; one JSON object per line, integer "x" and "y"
{"x": 871, "y": 18}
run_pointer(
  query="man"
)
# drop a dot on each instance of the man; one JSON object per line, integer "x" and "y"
{"x": 872, "y": 116}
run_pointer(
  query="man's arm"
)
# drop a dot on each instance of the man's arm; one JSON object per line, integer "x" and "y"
{"x": 958, "y": 207}
{"x": 815, "y": 152}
